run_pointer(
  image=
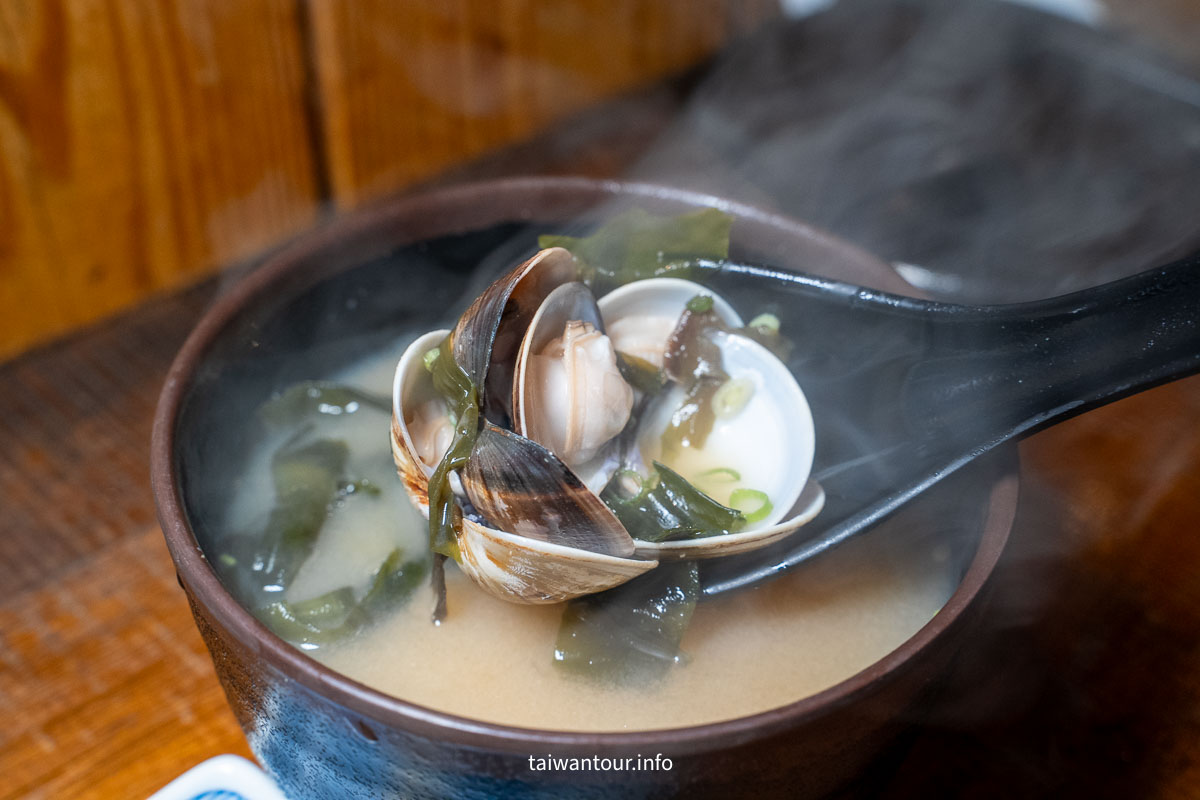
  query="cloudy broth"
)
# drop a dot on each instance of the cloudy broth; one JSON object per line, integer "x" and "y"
{"x": 492, "y": 660}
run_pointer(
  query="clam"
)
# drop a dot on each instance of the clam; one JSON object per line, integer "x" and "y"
{"x": 767, "y": 444}
{"x": 541, "y": 553}
{"x": 762, "y": 450}
{"x": 557, "y": 428}
{"x": 418, "y": 414}
{"x": 569, "y": 394}
{"x": 488, "y": 334}
{"x": 556, "y": 539}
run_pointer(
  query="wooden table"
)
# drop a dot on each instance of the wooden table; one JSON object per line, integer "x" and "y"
{"x": 1085, "y": 683}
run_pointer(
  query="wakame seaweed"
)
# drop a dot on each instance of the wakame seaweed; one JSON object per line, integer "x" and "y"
{"x": 307, "y": 479}
{"x": 667, "y": 507}
{"x": 445, "y": 517}
{"x": 693, "y": 360}
{"x": 453, "y": 383}
{"x": 630, "y": 633}
{"x": 335, "y": 615}
{"x": 298, "y": 403}
{"x": 636, "y": 244}
{"x": 310, "y": 477}
{"x": 318, "y": 621}
{"x": 394, "y": 582}
{"x": 641, "y": 374}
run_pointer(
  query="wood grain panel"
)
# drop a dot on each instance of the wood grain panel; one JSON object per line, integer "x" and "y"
{"x": 74, "y": 437}
{"x": 114, "y": 689}
{"x": 142, "y": 144}
{"x": 410, "y": 87}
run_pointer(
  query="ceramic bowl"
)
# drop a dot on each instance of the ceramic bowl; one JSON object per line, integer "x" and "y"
{"x": 361, "y": 280}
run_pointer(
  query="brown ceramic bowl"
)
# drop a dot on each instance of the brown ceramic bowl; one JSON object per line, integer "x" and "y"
{"x": 339, "y": 292}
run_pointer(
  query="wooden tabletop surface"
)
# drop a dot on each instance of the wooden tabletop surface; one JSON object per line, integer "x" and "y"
{"x": 1085, "y": 681}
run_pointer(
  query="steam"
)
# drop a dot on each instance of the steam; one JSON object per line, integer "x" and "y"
{"x": 1006, "y": 154}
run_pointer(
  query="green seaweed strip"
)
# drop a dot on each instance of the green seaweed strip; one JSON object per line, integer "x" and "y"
{"x": 693, "y": 360}
{"x": 453, "y": 383}
{"x": 641, "y": 374}
{"x": 636, "y": 244}
{"x": 394, "y": 582}
{"x": 317, "y": 621}
{"x": 670, "y": 508}
{"x": 630, "y": 633}
{"x": 335, "y": 615}
{"x": 301, "y": 401}
{"x": 704, "y": 512}
{"x": 694, "y": 418}
{"x": 307, "y": 479}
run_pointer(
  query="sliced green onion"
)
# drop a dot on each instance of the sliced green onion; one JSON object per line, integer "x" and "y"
{"x": 228, "y": 560}
{"x": 755, "y": 505}
{"x": 768, "y": 323}
{"x": 629, "y": 483}
{"x": 732, "y": 397}
{"x": 430, "y": 357}
{"x": 700, "y": 303}
{"x": 722, "y": 474}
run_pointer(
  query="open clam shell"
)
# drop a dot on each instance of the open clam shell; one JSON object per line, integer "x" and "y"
{"x": 769, "y": 443}
{"x": 521, "y": 487}
{"x": 412, "y": 389}
{"x": 489, "y": 333}
{"x": 523, "y": 570}
{"x": 571, "y": 302}
{"x": 509, "y": 565}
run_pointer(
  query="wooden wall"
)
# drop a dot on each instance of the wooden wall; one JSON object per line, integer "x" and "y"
{"x": 140, "y": 145}
{"x": 144, "y": 143}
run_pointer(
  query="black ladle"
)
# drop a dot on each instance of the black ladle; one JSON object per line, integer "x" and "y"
{"x": 905, "y": 392}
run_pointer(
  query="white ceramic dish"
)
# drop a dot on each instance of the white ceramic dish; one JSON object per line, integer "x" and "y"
{"x": 226, "y": 777}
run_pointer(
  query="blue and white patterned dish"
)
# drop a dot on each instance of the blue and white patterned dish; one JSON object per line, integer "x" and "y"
{"x": 226, "y": 777}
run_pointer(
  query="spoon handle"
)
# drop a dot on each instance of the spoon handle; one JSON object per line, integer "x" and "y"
{"x": 995, "y": 372}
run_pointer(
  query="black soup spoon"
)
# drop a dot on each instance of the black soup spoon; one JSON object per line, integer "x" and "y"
{"x": 905, "y": 392}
